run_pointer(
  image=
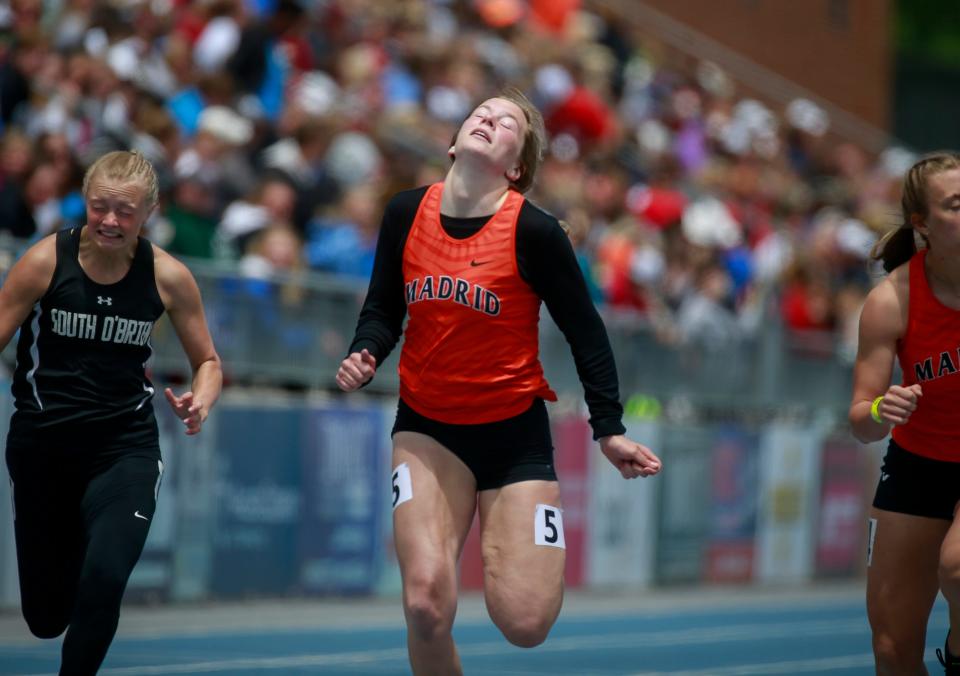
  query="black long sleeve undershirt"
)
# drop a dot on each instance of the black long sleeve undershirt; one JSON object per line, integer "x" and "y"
{"x": 546, "y": 262}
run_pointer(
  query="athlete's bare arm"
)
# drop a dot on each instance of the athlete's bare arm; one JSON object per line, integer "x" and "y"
{"x": 883, "y": 322}
{"x": 181, "y": 298}
{"x": 26, "y": 283}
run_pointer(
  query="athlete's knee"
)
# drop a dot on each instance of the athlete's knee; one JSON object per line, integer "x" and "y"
{"x": 526, "y": 629}
{"x": 101, "y": 584}
{"x": 896, "y": 655}
{"x": 526, "y": 623}
{"x": 428, "y": 604}
{"x": 44, "y": 624}
{"x": 949, "y": 569}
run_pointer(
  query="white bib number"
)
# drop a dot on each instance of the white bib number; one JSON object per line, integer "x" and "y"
{"x": 548, "y": 527}
{"x": 402, "y": 486}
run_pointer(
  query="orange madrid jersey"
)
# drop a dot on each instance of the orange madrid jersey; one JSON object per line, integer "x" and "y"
{"x": 929, "y": 354}
{"x": 471, "y": 352}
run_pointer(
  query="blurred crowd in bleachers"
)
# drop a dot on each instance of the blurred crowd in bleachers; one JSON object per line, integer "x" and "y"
{"x": 281, "y": 127}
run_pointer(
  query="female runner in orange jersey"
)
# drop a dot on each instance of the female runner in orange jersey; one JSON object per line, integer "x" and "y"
{"x": 914, "y": 316}
{"x": 470, "y": 260}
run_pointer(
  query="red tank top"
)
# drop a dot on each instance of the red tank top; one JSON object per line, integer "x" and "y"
{"x": 929, "y": 354}
{"x": 471, "y": 352}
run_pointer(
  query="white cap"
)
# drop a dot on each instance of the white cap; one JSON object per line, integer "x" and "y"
{"x": 353, "y": 158}
{"x": 855, "y": 238}
{"x": 316, "y": 92}
{"x": 218, "y": 41}
{"x": 708, "y": 222}
{"x": 553, "y": 82}
{"x": 226, "y": 125}
{"x": 124, "y": 60}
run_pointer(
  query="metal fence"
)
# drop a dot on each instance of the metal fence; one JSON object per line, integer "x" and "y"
{"x": 294, "y": 331}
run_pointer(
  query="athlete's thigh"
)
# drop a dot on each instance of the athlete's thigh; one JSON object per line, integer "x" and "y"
{"x": 523, "y": 547}
{"x": 902, "y": 579}
{"x": 435, "y": 497}
{"x": 118, "y": 506}
{"x": 48, "y": 529}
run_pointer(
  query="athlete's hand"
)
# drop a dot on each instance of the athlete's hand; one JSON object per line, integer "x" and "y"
{"x": 189, "y": 409}
{"x": 356, "y": 370}
{"x": 629, "y": 457}
{"x": 899, "y": 402}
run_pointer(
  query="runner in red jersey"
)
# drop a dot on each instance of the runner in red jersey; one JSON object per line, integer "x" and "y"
{"x": 914, "y": 316}
{"x": 468, "y": 262}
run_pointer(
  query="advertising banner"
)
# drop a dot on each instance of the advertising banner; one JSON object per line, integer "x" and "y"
{"x": 733, "y": 511}
{"x": 621, "y": 527}
{"x": 684, "y": 503}
{"x": 342, "y": 476}
{"x": 789, "y": 499}
{"x": 844, "y": 502}
{"x": 258, "y": 467}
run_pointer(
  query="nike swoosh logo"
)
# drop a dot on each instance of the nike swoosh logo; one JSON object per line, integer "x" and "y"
{"x": 140, "y": 516}
{"x": 475, "y": 263}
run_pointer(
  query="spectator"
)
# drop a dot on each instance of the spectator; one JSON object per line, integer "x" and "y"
{"x": 662, "y": 171}
{"x": 16, "y": 164}
{"x": 344, "y": 241}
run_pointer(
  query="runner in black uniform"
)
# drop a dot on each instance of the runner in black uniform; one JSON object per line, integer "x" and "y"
{"x": 82, "y": 449}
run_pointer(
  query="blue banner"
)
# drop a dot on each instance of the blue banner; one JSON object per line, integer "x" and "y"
{"x": 733, "y": 510}
{"x": 258, "y": 500}
{"x": 684, "y": 509}
{"x": 344, "y": 488}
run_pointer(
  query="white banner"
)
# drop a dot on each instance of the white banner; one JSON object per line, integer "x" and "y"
{"x": 621, "y": 517}
{"x": 789, "y": 499}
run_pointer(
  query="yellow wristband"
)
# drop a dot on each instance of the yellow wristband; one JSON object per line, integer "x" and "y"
{"x": 875, "y": 410}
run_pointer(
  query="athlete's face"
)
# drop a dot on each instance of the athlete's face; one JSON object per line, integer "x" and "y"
{"x": 115, "y": 212}
{"x": 495, "y": 131}
{"x": 942, "y": 224}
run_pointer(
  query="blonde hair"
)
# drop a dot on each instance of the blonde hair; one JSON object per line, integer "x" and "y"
{"x": 125, "y": 166}
{"x": 898, "y": 245}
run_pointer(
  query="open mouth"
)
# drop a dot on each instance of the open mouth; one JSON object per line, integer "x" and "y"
{"x": 482, "y": 134}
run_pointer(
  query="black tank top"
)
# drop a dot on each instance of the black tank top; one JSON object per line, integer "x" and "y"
{"x": 82, "y": 351}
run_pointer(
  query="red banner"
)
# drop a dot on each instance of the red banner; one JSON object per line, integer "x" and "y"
{"x": 843, "y": 507}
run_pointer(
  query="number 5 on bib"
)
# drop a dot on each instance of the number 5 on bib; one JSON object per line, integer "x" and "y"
{"x": 402, "y": 485}
{"x": 548, "y": 527}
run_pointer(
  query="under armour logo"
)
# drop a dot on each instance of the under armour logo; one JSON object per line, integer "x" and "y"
{"x": 104, "y": 300}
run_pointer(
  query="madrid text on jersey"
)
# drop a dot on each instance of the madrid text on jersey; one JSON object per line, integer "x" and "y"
{"x": 948, "y": 365}
{"x": 114, "y": 329}
{"x": 443, "y": 287}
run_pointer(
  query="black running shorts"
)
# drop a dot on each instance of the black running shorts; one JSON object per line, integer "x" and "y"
{"x": 497, "y": 453}
{"x": 913, "y": 484}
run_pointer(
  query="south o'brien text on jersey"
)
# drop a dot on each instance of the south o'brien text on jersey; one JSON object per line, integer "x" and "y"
{"x": 113, "y": 328}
